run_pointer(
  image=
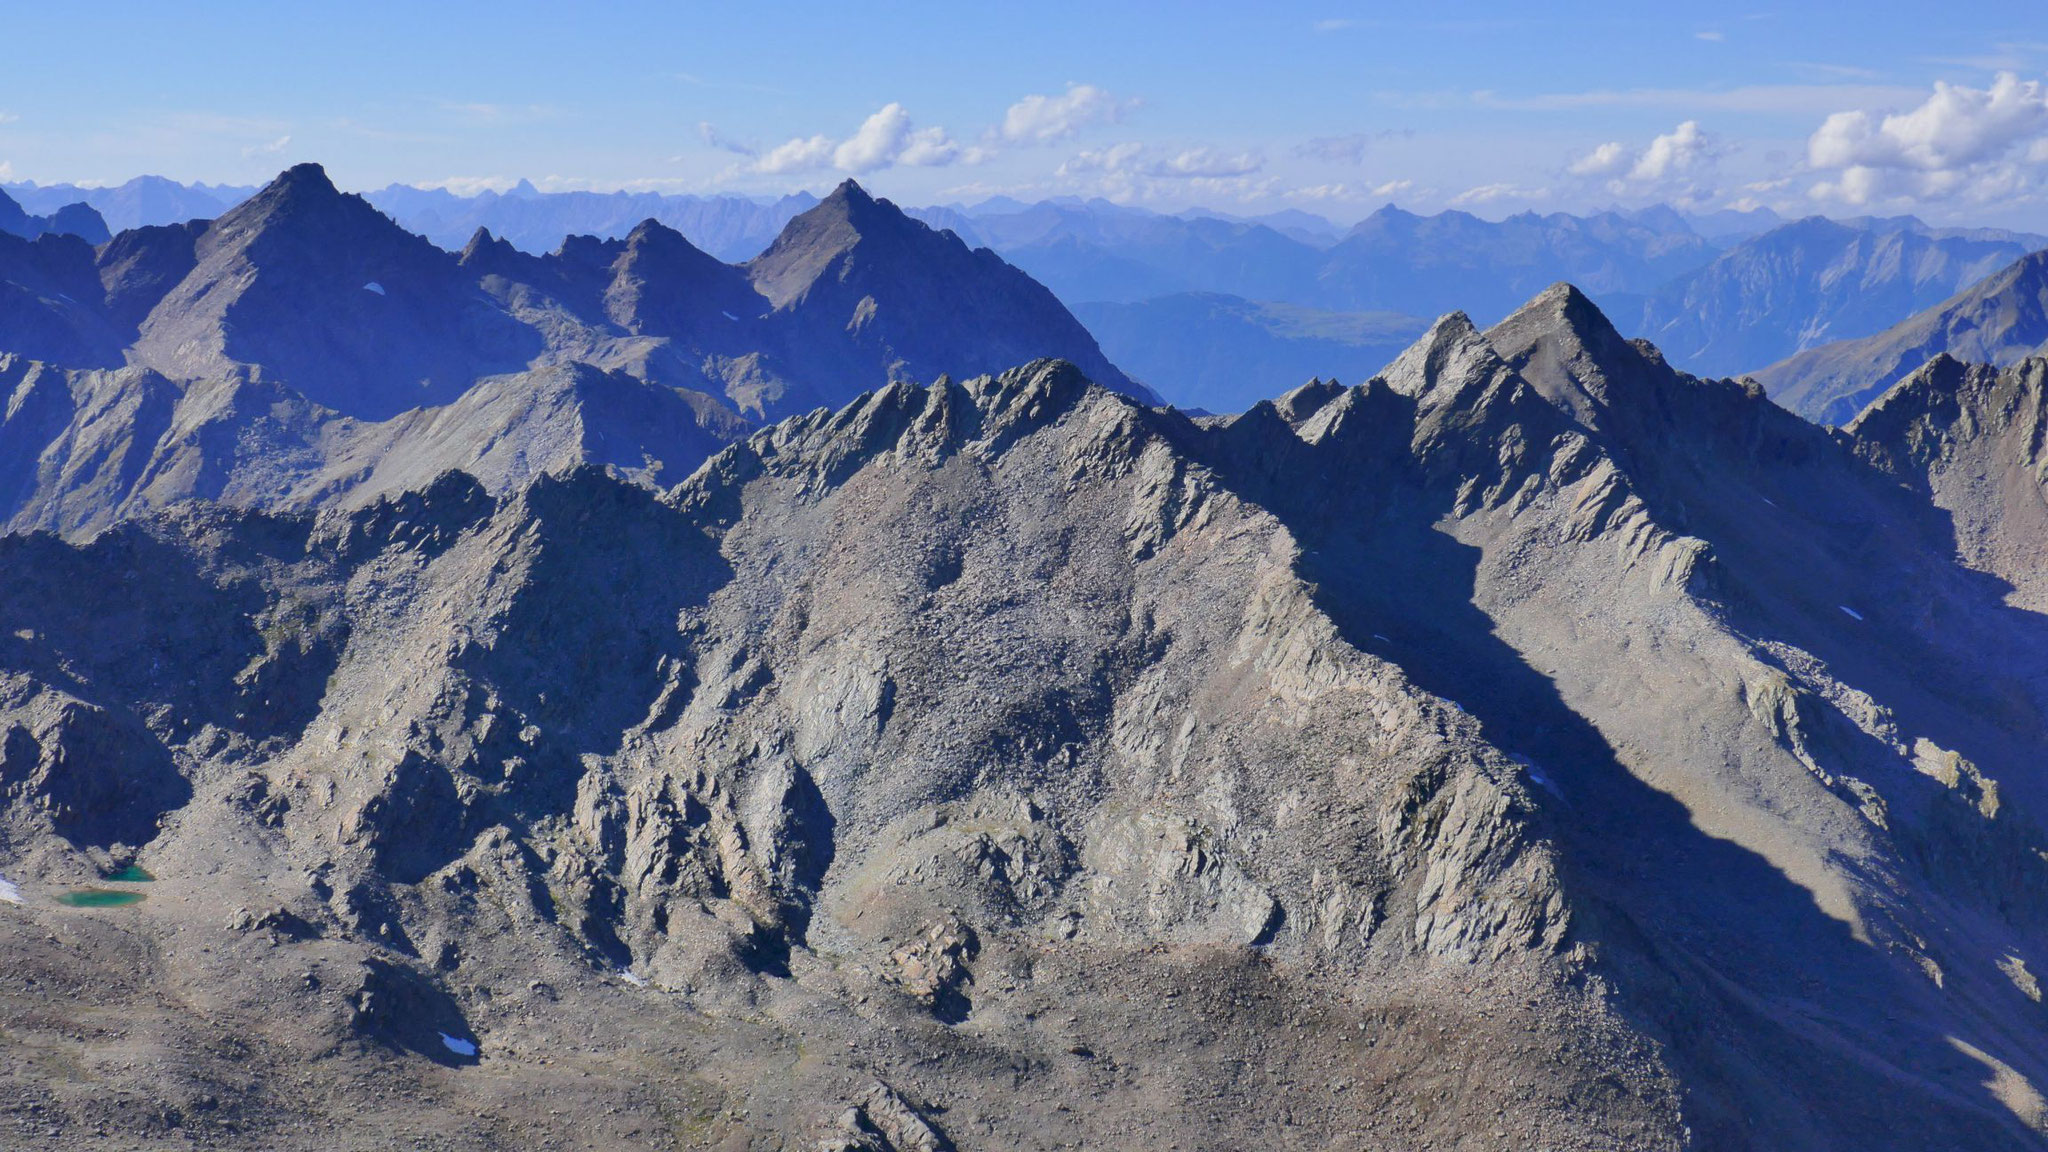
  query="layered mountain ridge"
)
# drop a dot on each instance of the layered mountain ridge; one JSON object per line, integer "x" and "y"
{"x": 1720, "y": 294}
{"x": 1533, "y": 744}
{"x": 302, "y": 345}
{"x": 1999, "y": 320}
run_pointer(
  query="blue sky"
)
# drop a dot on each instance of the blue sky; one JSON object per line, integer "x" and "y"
{"x": 1330, "y": 107}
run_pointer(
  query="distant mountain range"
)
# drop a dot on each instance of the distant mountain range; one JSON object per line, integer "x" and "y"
{"x": 73, "y": 218}
{"x": 1283, "y": 296}
{"x": 303, "y": 347}
{"x": 1814, "y": 281}
{"x": 1998, "y": 321}
{"x": 142, "y": 201}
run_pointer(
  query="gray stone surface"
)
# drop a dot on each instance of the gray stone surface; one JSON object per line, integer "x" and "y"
{"x": 1530, "y": 747}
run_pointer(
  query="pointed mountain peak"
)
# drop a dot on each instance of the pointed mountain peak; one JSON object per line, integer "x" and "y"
{"x": 811, "y": 241}
{"x": 486, "y": 252}
{"x": 1564, "y": 345}
{"x": 302, "y": 191}
{"x": 1306, "y": 400}
{"x": 303, "y": 180}
{"x": 849, "y": 195}
{"x": 651, "y": 237}
{"x": 1936, "y": 384}
{"x": 852, "y": 204}
{"x": 1560, "y": 310}
{"x": 1452, "y": 348}
{"x": 650, "y": 230}
{"x": 654, "y": 248}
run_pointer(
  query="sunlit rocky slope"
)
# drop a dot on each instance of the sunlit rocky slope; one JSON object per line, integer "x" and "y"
{"x": 1531, "y": 746}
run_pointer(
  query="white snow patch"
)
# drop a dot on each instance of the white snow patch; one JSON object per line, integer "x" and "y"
{"x": 458, "y": 1045}
{"x": 1381, "y": 639}
{"x": 632, "y": 977}
{"x": 730, "y": 316}
{"x": 373, "y": 286}
{"x": 1536, "y": 775}
{"x": 1768, "y": 500}
{"x": 9, "y": 894}
{"x": 1850, "y": 612}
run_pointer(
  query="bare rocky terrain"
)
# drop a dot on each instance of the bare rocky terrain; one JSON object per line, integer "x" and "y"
{"x": 1529, "y": 747}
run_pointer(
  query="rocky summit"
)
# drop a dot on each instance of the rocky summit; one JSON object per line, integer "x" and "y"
{"x": 1532, "y": 746}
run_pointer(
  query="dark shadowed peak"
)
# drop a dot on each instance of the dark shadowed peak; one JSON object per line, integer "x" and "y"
{"x": 302, "y": 185}
{"x": 812, "y": 241}
{"x": 480, "y": 241}
{"x": 1305, "y": 401}
{"x": 138, "y": 267}
{"x": 653, "y": 240}
{"x": 855, "y": 282}
{"x": 13, "y": 219}
{"x": 317, "y": 288}
{"x": 664, "y": 285}
{"x": 1933, "y": 388}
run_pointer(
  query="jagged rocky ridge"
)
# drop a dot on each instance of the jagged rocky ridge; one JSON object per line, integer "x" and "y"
{"x": 303, "y": 348}
{"x": 1532, "y": 745}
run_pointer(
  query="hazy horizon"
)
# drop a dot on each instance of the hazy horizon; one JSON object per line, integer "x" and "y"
{"x": 1333, "y": 109}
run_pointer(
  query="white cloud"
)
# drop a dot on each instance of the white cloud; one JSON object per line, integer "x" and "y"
{"x": 471, "y": 185}
{"x": 1669, "y": 167}
{"x": 271, "y": 149}
{"x": 886, "y": 139}
{"x": 882, "y": 138}
{"x": 1609, "y": 159}
{"x": 1116, "y": 158}
{"x": 1041, "y": 119}
{"x": 1205, "y": 162}
{"x": 1393, "y": 188}
{"x": 1131, "y": 171}
{"x": 1788, "y": 99}
{"x": 7, "y": 117}
{"x": 1676, "y": 153}
{"x": 1711, "y": 36}
{"x": 6, "y": 170}
{"x": 1324, "y": 192}
{"x": 1975, "y": 143}
{"x": 798, "y": 155}
{"x": 1494, "y": 193}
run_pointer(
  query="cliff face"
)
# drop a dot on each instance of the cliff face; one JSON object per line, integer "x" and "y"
{"x": 1532, "y": 740}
